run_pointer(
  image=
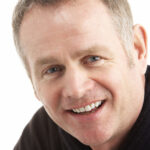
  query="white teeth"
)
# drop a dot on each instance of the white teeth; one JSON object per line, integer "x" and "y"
{"x": 77, "y": 110}
{"x": 82, "y": 109}
{"x": 88, "y": 107}
{"x": 98, "y": 104}
{"x": 92, "y": 105}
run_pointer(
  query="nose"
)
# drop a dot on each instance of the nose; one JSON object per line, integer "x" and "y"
{"x": 77, "y": 84}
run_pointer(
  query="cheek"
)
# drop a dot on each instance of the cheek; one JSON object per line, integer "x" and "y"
{"x": 115, "y": 81}
{"x": 50, "y": 96}
{"x": 110, "y": 79}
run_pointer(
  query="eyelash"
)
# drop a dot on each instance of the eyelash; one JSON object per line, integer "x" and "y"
{"x": 54, "y": 69}
{"x": 87, "y": 61}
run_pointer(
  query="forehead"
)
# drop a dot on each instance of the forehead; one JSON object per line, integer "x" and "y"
{"x": 75, "y": 17}
{"x": 65, "y": 29}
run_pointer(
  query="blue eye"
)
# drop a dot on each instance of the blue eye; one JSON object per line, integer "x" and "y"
{"x": 91, "y": 59}
{"x": 54, "y": 69}
{"x": 94, "y": 58}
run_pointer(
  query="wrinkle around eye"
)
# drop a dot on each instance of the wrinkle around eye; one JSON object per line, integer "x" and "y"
{"x": 53, "y": 71}
{"x": 89, "y": 60}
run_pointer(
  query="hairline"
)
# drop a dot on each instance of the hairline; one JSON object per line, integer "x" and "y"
{"x": 114, "y": 19}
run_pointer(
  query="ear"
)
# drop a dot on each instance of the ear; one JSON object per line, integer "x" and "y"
{"x": 140, "y": 47}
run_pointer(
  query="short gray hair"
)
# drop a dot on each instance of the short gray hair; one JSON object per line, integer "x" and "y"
{"x": 119, "y": 10}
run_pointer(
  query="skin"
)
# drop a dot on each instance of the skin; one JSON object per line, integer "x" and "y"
{"x": 76, "y": 58}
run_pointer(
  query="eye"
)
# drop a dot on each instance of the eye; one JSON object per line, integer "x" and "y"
{"x": 54, "y": 69}
{"x": 91, "y": 59}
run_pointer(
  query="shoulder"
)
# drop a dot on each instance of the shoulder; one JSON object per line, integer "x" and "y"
{"x": 37, "y": 132}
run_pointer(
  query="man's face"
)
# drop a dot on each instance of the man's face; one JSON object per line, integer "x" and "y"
{"x": 77, "y": 63}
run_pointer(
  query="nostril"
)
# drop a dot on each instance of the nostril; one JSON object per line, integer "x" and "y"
{"x": 76, "y": 82}
{"x": 73, "y": 93}
{"x": 76, "y": 91}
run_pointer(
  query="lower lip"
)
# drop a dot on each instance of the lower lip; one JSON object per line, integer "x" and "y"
{"x": 88, "y": 116}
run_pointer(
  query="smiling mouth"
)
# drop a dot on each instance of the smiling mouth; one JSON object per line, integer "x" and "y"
{"x": 88, "y": 108}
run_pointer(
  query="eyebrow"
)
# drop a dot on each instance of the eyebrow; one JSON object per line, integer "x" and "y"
{"x": 46, "y": 60}
{"x": 91, "y": 50}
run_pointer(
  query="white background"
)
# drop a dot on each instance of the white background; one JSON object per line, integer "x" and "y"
{"x": 17, "y": 101}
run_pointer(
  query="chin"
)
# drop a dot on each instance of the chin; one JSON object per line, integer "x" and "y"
{"x": 94, "y": 137}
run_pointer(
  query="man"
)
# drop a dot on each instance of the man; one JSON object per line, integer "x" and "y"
{"x": 87, "y": 64}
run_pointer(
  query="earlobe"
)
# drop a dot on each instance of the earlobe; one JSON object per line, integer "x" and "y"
{"x": 140, "y": 46}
